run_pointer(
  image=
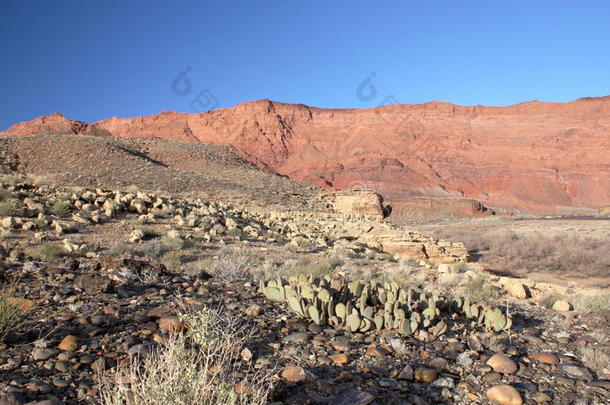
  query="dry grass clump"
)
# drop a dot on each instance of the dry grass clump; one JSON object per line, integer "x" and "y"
{"x": 11, "y": 315}
{"x": 406, "y": 274}
{"x": 479, "y": 289}
{"x": 549, "y": 298}
{"x": 234, "y": 265}
{"x": 172, "y": 261}
{"x": 200, "y": 367}
{"x": 119, "y": 249}
{"x": 565, "y": 253}
{"x": 46, "y": 252}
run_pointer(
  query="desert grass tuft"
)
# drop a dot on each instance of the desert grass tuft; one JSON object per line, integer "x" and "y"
{"x": 11, "y": 314}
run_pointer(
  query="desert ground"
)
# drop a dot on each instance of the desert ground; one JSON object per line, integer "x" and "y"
{"x": 139, "y": 271}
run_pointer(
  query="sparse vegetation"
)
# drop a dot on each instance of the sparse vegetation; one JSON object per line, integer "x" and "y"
{"x": 47, "y": 252}
{"x": 567, "y": 253}
{"x": 5, "y": 195}
{"x": 11, "y": 315}
{"x": 197, "y": 368}
{"x": 308, "y": 265}
{"x": 595, "y": 301}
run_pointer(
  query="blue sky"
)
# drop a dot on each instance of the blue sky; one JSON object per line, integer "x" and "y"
{"x": 91, "y": 60}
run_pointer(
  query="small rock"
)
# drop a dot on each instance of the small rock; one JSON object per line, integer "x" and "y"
{"x": 504, "y": 395}
{"x": 562, "y": 305}
{"x": 39, "y": 354}
{"x": 443, "y": 268}
{"x": 253, "y": 310}
{"x": 171, "y": 324}
{"x": 492, "y": 377}
{"x": 62, "y": 366}
{"x": 516, "y": 289}
{"x": 297, "y": 374}
{"x": 297, "y": 337}
{"x": 425, "y": 374}
{"x": 339, "y": 358}
{"x": 502, "y": 364}
{"x": 375, "y": 351}
{"x": 547, "y": 358}
{"x": 406, "y": 373}
{"x": 8, "y": 222}
{"x": 444, "y": 382}
{"x": 353, "y": 396}
{"x": 541, "y": 398}
{"x": 22, "y": 303}
{"x": 136, "y": 236}
{"x": 69, "y": 343}
{"x": 246, "y": 354}
{"x": 577, "y": 372}
{"x": 12, "y": 398}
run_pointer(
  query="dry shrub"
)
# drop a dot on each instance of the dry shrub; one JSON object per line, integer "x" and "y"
{"x": 594, "y": 301}
{"x": 234, "y": 265}
{"x": 407, "y": 274}
{"x": 201, "y": 367}
{"x": 566, "y": 253}
{"x": 595, "y": 358}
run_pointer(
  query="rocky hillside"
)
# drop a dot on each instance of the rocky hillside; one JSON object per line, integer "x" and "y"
{"x": 111, "y": 297}
{"x": 535, "y": 156}
{"x": 203, "y": 170}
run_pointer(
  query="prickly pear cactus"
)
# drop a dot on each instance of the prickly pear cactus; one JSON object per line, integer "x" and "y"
{"x": 360, "y": 306}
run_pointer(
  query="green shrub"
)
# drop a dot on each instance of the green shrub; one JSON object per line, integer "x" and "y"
{"x": 61, "y": 207}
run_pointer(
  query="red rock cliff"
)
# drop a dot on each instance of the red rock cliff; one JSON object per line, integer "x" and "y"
{"x": 535, "y": 156}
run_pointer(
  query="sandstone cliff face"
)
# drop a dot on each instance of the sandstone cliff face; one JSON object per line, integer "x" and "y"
{"x": 534, "y": 156}
{"x": 360, "y": 202}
